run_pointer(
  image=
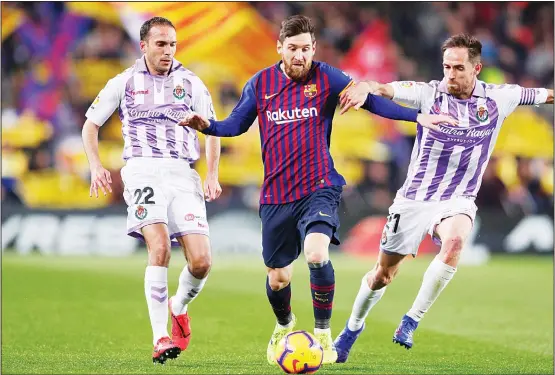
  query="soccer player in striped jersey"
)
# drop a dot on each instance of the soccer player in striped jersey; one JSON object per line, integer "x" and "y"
{"x": 443, "y": 178}
{"x": 295, "y": 101}
{"x": 164, "y": 194}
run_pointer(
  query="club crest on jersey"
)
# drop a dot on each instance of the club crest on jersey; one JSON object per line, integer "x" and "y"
{"x": 140, "y": 212}
{"x": 482, "y": 113}
{"x": 178, "y": 92}
{"x": 310, "y": 91}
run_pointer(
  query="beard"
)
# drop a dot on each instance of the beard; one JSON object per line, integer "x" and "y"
{"x": 296, "y": 72}
{"x": 455, "y": 91}
{"x": 459, "y": 89}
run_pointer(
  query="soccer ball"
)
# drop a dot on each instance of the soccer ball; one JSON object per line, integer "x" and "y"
{"x": 299, "y": 353}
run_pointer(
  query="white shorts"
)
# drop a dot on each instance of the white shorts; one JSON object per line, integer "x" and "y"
{"x": 166, "y": 191}
{"x": 409, "y": 221}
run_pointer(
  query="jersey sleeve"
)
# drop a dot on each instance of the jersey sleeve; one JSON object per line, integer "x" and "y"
{"x": 509, "y": 97}
{"x": 339, "y": 80}
{"x": 411, "y": 93}
{"x": 107, "y": 101}
{"x": 202, "y": 100}
{"x": 386, "y": 108}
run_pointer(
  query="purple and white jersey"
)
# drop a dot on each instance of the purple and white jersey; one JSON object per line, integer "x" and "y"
{"x": 150, "y": 107}
{"x": 450, "y": 163}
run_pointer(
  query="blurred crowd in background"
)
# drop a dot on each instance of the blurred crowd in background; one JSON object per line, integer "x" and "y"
{"x": 56, "y": 57}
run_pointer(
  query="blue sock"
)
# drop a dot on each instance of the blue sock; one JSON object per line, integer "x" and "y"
{"x": 322, "y": 286}
{"x": 281, "y": 303}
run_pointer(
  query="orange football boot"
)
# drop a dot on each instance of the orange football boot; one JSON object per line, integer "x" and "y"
{"x": 181, "y": 328}
{"x": 165, "y": 349}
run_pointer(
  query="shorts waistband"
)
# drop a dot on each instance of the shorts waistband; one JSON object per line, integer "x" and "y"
{"x": 158, "y": 162}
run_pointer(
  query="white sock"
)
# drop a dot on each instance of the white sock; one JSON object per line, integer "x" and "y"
{"x": 436, "y": 278}
{"x": 188, "y": 289}
{"x": 365, "y": 300}
{"x": 156, "y": 292}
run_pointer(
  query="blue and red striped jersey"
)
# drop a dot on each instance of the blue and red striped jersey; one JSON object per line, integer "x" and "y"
{"x": 295, "y": 121}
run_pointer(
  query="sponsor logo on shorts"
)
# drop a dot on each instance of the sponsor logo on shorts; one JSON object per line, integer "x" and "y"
{"x": 322, "y": 214}
{"x": 202, "y": 225}
{"x": 407, "y": 84}
{"x": 189, "y": 217}
{"x": 141, "y": 212}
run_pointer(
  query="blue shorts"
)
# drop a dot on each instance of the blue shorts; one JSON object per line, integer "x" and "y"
{"x": 284, "y": 226}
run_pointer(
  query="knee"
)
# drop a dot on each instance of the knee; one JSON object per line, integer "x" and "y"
{"x": 451, "y": 248}
{"x": 315, "y": 253}
{"x": 453, "y": 245}
{"x": 278, "y": 278}
{"x": 316, "y": 247}
{"x": 316, "y": 256}
{"x": 200, "y": 265}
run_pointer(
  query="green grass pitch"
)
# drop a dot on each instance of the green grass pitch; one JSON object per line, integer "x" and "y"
{"x": 89, "y": 315}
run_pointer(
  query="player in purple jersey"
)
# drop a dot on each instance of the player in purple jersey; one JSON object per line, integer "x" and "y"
{"x": 164, "y": 194}
{"x": 295, "y": 101}
{"x": 443, "y": 179}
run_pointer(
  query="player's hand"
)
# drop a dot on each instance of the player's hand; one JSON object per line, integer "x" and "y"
{"x": 433, "y": 121}
{"x": 100, "y": 178}
{"x": 212, "y": 188}
{"x": 356, "y": 95}
{"x": 195, "y": 121}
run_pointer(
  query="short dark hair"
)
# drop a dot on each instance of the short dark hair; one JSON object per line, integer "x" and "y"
{"x": 295, "y": 25}
{"x": 154, "y": 21}
{"x": 467, "y": 41}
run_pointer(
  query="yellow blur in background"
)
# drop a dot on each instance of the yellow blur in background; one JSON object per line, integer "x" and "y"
{"x": 224, "y": 45}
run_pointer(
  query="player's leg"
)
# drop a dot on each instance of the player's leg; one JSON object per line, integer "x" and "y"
{"x": 453, "y": 232}
{"x": 402, "y": 233}
{"x": 318, "y": 225}
{"x": 322, "y": 284}
{"x": 372, "y": 289}
{"x": 188, "y": 225}
{"x": 451, "y": 223}
{"x": 278, "y": 290}
{"x": 192, "y": 279}
{"x": 156, "y": 290}
{"x": 146, "y": 219}
{"x": 280, "y": 247}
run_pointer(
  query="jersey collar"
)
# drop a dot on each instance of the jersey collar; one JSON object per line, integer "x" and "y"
{"x": 141, "y": 65}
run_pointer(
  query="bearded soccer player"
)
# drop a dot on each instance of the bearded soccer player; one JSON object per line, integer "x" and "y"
{"x": 295, "y": 101}
{"x": 443, "y": 178}
{"x": 164, "y": 194}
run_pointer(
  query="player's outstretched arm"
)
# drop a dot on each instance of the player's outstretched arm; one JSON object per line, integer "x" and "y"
{"x": 386, "y": 108}
{"x": 238, "y": 122}
{"x": 376, "y": 98}
{"x": 100, "y": 177}
{"x": 356, "y": 95}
